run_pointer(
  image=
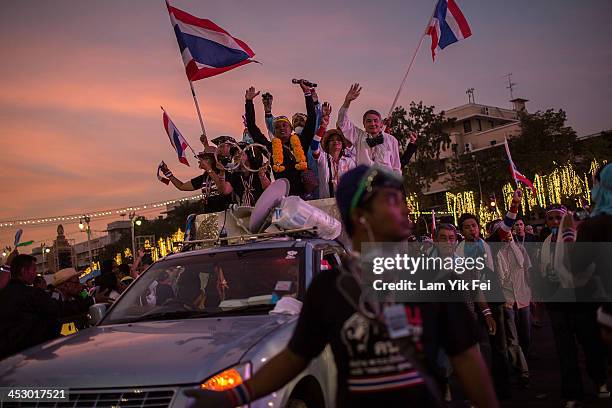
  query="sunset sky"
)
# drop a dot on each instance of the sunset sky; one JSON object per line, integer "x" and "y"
{"x": 81, "y": 82}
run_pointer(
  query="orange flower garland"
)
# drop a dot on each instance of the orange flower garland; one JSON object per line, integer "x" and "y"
{"x": 298, "y": 152}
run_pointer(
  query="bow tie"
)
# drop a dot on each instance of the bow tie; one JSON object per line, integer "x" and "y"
{"x": 375, "y": 141}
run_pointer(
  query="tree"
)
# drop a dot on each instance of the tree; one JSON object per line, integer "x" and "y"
{"x": 543, "y": 144}
{"x": 432, "y": 139}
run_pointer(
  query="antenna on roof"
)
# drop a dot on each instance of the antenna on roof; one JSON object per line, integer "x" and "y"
{"x": 470, "y": 94}
{"x": 511, "y": 85}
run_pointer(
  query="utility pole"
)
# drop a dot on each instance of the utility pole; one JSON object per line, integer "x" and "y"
{"x": 133, "y": 222}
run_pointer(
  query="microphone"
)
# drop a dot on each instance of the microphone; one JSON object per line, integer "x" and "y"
{"x": 303, "y": 81}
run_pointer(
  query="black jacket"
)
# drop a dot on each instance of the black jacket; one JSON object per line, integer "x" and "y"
{"x": 29, "y": 316}
{"x": 294, "y": 176}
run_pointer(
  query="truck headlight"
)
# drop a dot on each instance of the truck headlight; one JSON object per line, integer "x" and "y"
{"x": 229, "y": 378}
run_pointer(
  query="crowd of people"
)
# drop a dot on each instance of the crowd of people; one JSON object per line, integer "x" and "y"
{"x": 33, "y": 311}
{"x": 480, "y": 342}
{"x": 304, "y": 150}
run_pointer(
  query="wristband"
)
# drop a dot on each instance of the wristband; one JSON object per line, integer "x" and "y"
{"x": 569, "y": 235}
{"x": 307, "y": 94}
{"x": 168, "y": 174}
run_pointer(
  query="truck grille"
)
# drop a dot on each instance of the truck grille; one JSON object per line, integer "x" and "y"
{"x": 141, "y": 398}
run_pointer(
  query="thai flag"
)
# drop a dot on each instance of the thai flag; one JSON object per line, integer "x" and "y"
{"x": 447, "y": 26}
{"x": 176, "y": 139}
{"x": 517, "y": 175}
{"x": 206, "y": 48}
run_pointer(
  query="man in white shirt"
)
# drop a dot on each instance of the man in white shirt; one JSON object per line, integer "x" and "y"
{"x": 372, "y": 145}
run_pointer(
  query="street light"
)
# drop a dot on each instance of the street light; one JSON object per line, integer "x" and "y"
{"x": 44, "y": 250}
{"x": 84, "y": 225}
{"x": 136, "y": 221}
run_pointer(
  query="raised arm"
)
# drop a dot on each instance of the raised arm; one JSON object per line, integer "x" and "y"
{"x": 267, "y": 99}
{"x": 254, "y": 131}
{"x": 344, "y": 123}
{"x": 276, "y": 373}
{"x": 311, "y": 118}
{"x": 315, "y": 146}
{"x": 410, "y": 150}
{"x": 181, "y": 185}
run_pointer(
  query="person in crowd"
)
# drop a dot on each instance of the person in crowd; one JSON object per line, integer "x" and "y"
{"x": 572, "y": 323}
{"x": 521, "y": 235}
{"x": 529, "y": 230}
{"x": 298, "y": 121}
{"x": 124, "y": 275}
{"x": 329, "y": 150}
{"x": 491, "y": 317}
{"x": 40, "y": 282}
{"x": 67, "y": 285}
{"x": 215, "y": 188}
{"x": 5, "y": 269}
{"x": 28, "y": 315}
{"x": 512, "y": 264}
{"x": 246, "y": 185}
{"x": 372, "y": 367}
{"x": 288, "y": 148}
{"x": 372, "y": 145}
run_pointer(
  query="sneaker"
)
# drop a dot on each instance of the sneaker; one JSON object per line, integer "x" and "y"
{"x": 603, "y": 392}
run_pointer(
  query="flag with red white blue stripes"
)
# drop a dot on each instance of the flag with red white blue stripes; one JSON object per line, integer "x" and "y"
{"x": 517, "y": 176}
{"x": 206, "y": 48}
{"x": 176, "y": 139}
{"x": 447, "y": 26}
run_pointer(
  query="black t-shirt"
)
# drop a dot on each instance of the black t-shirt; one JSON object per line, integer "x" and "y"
{"x": 238, "y": 181}
{"x": 372, "y": 367}
{"x": 215, "y": 202}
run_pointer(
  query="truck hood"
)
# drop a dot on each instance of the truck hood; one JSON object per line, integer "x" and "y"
{"x": 140, "y": 354}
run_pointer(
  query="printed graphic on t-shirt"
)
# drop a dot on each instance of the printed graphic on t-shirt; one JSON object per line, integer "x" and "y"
{"x": 375, "y": 360}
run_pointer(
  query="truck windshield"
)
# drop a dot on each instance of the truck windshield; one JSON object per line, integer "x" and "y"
{"x": 214, "y": 283}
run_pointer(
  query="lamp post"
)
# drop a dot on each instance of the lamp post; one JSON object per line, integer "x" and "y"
{"x": 44, "y": 250}
{"x": 85, "y": 227}
{"x": 133, "y": 222}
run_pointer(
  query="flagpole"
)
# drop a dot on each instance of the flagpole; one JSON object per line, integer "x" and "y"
{"x": 195, "y": 100}
{"x": 399, "y": 91}
{"x": 510, "y": 160}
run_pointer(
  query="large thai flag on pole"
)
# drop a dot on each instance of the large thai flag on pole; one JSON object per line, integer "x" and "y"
{"x": 176, "y": 139}
{"x": 447, "y": 26}
{"x": 206, "y": 48}
{"x": 517, "y": 175}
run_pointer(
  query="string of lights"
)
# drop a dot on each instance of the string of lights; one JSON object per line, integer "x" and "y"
{"x": 94, "y": 214}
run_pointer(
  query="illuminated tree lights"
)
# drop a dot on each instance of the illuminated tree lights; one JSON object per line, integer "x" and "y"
{"x": 561, "y": 185}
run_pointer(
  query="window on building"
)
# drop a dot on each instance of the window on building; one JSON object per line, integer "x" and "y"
{"x": 479, "y": 125}
{"x": 467, "y": 126}
{"x": 493, "y": 142}
{"x": 492, "y": 124}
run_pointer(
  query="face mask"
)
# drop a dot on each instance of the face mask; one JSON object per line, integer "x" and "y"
{"x": 298, "y": 130}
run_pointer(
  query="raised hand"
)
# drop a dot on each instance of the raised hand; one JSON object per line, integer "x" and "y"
{"x": 352, "y": 94}
{"x": 313, "y": 92}
{"x": 250, "y": 94}
{"x": 326, "y": 109}
{"x": 305, "y": 88}
{"x": 518, "y": 196}
{"x": 267, "y": 99}
{"x": 412, "y": 137}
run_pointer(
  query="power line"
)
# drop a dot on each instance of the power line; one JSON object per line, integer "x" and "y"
{"x": 99, "y": 214}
